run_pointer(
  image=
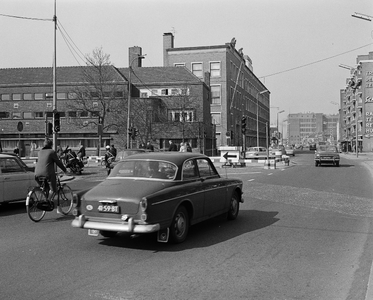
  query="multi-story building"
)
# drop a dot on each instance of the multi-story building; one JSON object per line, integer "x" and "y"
{"x": 305, "y": 128}
{"x": 167, "y": 104}
{"x": 356, "y": 106}
{"x": 236, "y": 92}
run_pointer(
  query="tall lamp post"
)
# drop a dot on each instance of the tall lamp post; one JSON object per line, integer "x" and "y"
{"x": 281, "y": 111}
{"x": 257, "y": 115}
{"x": 129, "y": 98}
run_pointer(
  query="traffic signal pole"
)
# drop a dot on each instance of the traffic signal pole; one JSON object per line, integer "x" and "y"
{"x": 54, "y": 80}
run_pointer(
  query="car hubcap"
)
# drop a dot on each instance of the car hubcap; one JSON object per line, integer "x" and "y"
{"x": 179, "y": 225}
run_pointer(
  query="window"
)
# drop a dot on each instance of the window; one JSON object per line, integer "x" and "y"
{"x": 27, "y": 97}
{"x": 17, "y": 97}
{"x": 216, "y": 94}
{"x": 73, "y": 114}
{"x": 154, "y": 92}
{"x": 164, "y": 92}
{"x": 72, "y": 95}
{"x": 215, "y": 69}
{"x": 216, "y": 118}
{"x": 181, "y": 115}
{"x": 49, "y": 114}
{"x": 27, "y": 115}
{"x": 61, "y": 95}
{"x": 197, "y": 69}
{"x": 205, "y": 169}
{"x": 83, "y": 114}
{"x": 39, "y": 114}
{"x": 179, "y": 65}
{"x": 189, "y": 170}
{"x": 118, "y": 94}
{"x": 4, "y": 115}
{"x": 10, "y": 165}
{"x": 143, "y": 95}
{"x": 39, "y": 96}
{"x": 17, "y": 115}
{"x": 5, "y": 97}
{"x": 62, "y": 114}
{"x": 95, "y": 114}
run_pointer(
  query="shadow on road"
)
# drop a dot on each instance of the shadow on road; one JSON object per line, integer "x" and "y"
{"x": 202, "y": 235}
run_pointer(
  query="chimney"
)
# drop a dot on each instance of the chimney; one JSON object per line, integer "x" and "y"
{"x": 168, "y": 43}
{"x": 134, "y": 52}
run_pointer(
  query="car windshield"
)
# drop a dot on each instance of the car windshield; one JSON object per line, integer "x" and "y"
{"x": 327, "y": 148}
{"x": 144, "y": 169}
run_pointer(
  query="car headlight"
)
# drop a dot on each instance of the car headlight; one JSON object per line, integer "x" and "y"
{"x": 143, "y": 204}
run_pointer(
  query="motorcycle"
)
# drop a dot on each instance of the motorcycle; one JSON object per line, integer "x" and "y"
{"x": 72, "y": 162}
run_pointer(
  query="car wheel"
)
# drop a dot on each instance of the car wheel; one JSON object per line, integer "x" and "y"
{"x": 108, "y": 234}
{"x": 179, "y": 226}
{"x": 337, "y": 163}
{"x": 234, "y": 207}
{"x": 316, "y": 163}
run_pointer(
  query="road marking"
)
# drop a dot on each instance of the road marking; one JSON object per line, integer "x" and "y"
{"x": 251, "y": 179}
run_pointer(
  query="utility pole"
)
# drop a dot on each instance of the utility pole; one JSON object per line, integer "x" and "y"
{"x": 54, "y": 79}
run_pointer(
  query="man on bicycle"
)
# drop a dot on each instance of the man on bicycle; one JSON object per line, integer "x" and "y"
{"x": 47, "y": 159}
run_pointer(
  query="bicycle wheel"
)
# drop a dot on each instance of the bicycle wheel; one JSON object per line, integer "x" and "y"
{"x": 35, "y": 197}
{"x": 64, "y": 199}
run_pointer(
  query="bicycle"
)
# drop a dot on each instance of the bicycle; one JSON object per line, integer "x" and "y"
{"x": 38, "y": 202}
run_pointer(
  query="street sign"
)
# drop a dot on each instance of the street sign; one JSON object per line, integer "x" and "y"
{"x": 20, "y": 126}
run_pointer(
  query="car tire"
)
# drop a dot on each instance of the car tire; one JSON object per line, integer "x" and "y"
{"x": 234, "y": 207}
{"x": 179, "y": 226}
{"x": 316, "y": 163}
{"x": 108, "y": 234}
{"x": 337, "y": 163}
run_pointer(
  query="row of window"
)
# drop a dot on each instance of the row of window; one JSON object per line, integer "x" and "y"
{"x": 43, "y": 114}
{"x": 60, "y": 96}
{"x": 197, "y": 68}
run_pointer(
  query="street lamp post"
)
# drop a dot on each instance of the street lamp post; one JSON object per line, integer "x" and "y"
{"x": 281, "y": 111}
{"x": 257, "y": 115}
{"x": 129, "y": 98}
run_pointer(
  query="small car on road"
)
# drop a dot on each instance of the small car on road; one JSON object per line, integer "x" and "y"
{"x": 289, "y": 150}
{"x": 327, "y": 154}
{"x": 255, "y": 151}
{"x": 163, "y": 192}
{"x": 15, "y": 178}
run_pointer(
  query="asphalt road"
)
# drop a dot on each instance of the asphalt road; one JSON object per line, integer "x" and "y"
{"x": 302, "y": 233}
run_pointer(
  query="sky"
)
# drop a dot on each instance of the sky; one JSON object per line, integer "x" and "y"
{"x": 296, "y": 45}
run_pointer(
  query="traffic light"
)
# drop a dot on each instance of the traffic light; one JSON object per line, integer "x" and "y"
{"x": 99, "y": 120}
{"x": 134, "y": 132}
{"x": 57, "y": 125}
{"x": 130, "y": 131}
{"x": 49, "y": 128}
{"x": 243, "y": 124}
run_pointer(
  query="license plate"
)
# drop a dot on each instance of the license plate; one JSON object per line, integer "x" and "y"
{"x": 109, "y": 209}
{"x": 93, "y": 232}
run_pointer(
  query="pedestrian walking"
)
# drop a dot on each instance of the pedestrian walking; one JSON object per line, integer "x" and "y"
{"x": 172, "y": 146}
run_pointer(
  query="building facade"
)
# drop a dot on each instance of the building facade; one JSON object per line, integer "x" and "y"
{"x": 356, "y": 106}
{"x": 236, "y": 92}
{"x": 167, "y": 104}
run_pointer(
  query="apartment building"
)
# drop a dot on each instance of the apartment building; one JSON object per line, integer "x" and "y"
{"x": 236, "y": 92}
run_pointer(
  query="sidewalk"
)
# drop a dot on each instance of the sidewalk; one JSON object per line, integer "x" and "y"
{"x": 366, "y": 158}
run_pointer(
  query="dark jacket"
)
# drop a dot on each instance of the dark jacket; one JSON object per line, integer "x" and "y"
{"x": 46, "y": 159}
{"x": 172, "y": 147}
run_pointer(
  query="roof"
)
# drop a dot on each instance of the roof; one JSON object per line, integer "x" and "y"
{"x": 69, "y": 75}
{"x": 157, "y": 75}
{"x": 22, "y": 76}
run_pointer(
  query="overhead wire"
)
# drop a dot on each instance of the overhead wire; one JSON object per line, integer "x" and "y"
{"x": 26, "y": 18}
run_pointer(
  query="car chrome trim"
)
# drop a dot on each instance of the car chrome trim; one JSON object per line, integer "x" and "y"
{"x": 81, "y": 222}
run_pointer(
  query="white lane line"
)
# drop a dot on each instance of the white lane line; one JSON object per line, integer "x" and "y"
{"x": 251, "y": 179}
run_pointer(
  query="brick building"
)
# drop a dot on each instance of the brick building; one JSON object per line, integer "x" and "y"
{"x": 235, "y": 90}
{"x": 167, "y": 103}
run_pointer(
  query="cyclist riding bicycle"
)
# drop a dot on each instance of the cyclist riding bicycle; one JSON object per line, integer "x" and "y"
{"x": 45, "y": 167}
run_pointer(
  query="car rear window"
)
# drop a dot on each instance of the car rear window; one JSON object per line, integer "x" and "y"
{"x": 144, "y": 169}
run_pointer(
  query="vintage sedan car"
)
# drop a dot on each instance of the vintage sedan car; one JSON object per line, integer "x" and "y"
{"x": 327, "y": 155}
{"x": 163, "y": 192}
{"x": 289, "y": 150}
{"x": 15, "y": 178}
{"x": 278, "y": 150}
{"x": 255, "y": 151}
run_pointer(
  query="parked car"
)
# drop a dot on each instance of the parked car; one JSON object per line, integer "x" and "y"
{"x": 327, "y": 155}
{"x": 15, "y": 178}
{"x": 278, "y": 150}
{"x": 163, "y": 192}
{"x": 289, "y": 150}
{"x": 255, "y": 151}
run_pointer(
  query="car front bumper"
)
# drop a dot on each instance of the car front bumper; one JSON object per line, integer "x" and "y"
{"x": 130, "y": 226}
{"x": 327, "y": 160}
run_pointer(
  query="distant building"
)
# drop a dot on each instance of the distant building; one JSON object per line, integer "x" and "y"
{"x": 235, "y": 90}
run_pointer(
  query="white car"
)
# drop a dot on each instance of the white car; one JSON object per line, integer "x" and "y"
{"x": 289, "y": 151}
{"x": 255, "y": 151}
{"x": 15, "y": 178}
